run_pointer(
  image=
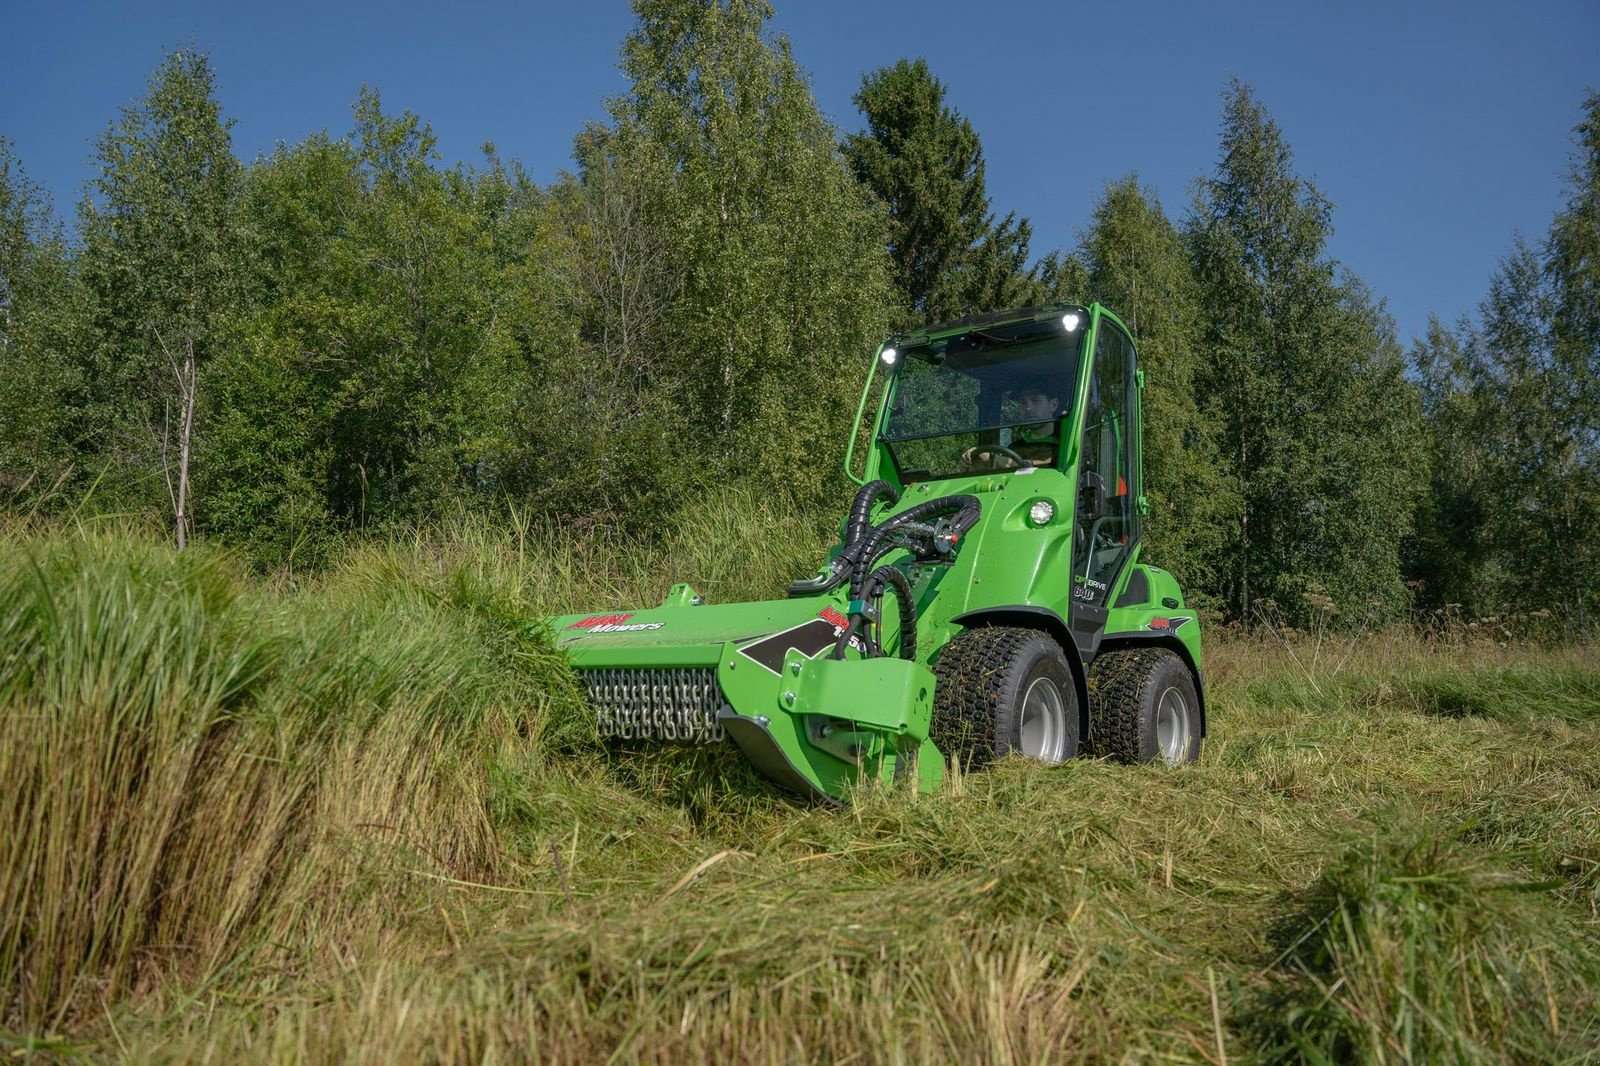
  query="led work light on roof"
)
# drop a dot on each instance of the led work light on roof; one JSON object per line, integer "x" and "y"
{"x": 1069, "y": 321}
{"x": 889, "y": 356}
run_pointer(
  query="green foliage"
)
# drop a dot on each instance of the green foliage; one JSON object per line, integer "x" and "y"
{"x": 599, "y": 434}
{"x": 1573, "y": 266}
{"x": 1513, "y": 406}
{"x": 20, "y": 210}
{"x": 1449, "y": 559}
{"x": 1317, "y": 420}
{"x": 784, "y": 284}
{"x": 1135, "y": 262}
{"x": 370, "y": 339}
{"x": 366, "y": 389}
{"x": 159, "y": 262}
{"x": 923, "y": 160}
{"x": 40, "y": 313}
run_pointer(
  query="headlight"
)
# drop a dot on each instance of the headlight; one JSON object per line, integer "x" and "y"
{"x": 889, "y": 356}
{"x": 1041, "y": 513}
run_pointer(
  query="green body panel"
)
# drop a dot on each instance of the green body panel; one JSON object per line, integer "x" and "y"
{"x": 822, "y": 725}
{"x": 688, "y": 635}
{"x": 1149, "y": 617}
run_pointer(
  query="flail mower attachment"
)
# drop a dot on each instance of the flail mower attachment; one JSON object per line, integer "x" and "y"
{"x": 821, "y": 691}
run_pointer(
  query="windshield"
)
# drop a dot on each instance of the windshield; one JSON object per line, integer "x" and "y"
{"x": 990, "y": 399}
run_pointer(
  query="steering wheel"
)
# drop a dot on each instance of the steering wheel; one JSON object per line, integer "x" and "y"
{"x": 999, "y": 449}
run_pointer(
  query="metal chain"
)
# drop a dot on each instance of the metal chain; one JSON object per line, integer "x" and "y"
{"x": 673, "y": 705}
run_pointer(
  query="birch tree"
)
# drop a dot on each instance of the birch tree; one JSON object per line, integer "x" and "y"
{"x": 158, "y": 229}
{"x": 1318, "y": 422}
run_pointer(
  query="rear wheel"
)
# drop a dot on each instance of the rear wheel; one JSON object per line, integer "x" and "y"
{"x": 1002, "y": 691}
{"x": 1143, "y": 706}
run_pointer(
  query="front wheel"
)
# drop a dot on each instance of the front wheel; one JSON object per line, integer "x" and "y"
{"x": 1143, "y": 706}
{"x": 1001, "y": 691}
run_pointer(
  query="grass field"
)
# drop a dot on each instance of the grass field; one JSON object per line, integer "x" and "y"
{"x": 361, "y": 816}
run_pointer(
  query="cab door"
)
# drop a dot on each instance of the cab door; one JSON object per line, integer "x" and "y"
{"x": 1106, "y": 519}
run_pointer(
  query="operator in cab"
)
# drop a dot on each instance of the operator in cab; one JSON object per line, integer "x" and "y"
{"x": 1035, "y": 443}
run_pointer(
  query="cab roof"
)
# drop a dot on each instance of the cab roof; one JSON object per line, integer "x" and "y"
{"x": 988, "y": 318}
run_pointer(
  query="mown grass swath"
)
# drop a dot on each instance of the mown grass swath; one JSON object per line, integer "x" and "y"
{"x": 365, "y": 817}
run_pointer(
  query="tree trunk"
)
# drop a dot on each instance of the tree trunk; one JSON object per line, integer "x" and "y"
{"x": 186, "y": 384}
{"x": 183, "y": 373}
{"x": 1244, "y": 544}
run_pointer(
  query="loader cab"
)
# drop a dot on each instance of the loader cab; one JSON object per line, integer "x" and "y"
{"x": 960, "y": 404}
{"x": 991, "y": 398}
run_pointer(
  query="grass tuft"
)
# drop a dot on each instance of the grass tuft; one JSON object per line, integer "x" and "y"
{"x": 1420, "y": 950}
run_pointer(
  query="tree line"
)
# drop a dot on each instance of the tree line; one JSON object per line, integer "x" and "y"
{"x": 349, "y": 335}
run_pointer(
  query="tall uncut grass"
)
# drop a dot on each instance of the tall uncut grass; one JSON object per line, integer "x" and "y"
{"x": 363, "y": 816}
{"x": 193, "y": 768}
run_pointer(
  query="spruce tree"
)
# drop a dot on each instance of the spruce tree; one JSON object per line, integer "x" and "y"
{"x": 924, "y": 161}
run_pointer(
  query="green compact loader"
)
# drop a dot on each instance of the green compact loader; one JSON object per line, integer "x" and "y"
{"x": 988, "y": 595}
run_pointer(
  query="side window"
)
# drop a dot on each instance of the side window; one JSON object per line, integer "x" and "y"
{"x": 1106, "y": 522}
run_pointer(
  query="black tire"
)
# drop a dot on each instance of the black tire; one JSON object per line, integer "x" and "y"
{"x": 1143, "y": 706}
{"x": 1002, "y": 690}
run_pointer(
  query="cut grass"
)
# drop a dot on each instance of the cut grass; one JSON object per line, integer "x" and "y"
{"x": 366, "y": 818}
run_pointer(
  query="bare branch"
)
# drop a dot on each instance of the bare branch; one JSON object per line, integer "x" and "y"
{"x": 171, "y": 359}
{"x": 166, "y": 436}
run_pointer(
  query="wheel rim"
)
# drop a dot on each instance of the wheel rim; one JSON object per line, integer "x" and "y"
{"x": 1044, "y": 721}
{"x": 1172, "y": 727}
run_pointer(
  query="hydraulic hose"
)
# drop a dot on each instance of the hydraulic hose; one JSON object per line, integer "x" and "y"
{"x": 885, "y": 576}
{"x": 865, "y": 545}
{"x": 861, "y": 509}
{"x": 871, "y": 545}
{"x": 897, "y": 580}
{"x": 857, "y": 523}
{"x": 876, "y": 543}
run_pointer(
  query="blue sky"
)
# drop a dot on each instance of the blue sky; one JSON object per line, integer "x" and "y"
{"x": 1439, "y": 130}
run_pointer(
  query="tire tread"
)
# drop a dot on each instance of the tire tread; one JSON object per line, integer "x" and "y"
{"x": 971, "y": 674}
{"x": 1118, "y": 681}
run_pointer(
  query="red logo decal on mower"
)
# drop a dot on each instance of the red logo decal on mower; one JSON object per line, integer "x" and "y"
{"x": 612, "y": 623}
{"x": 601, "y": 620}
{"x": 834, "y": 618}
{"x": 1167, "y": 625}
